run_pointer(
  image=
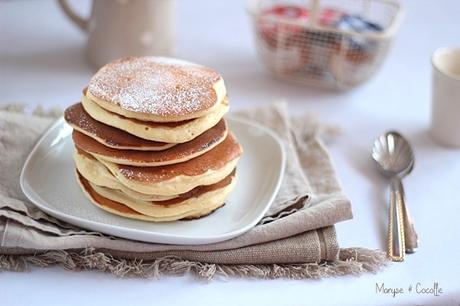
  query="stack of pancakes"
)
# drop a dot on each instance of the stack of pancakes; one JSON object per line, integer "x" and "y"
{"x": 151, "y": 141}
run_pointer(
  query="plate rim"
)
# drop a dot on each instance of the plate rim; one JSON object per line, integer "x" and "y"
{"x": 185, "y": 239}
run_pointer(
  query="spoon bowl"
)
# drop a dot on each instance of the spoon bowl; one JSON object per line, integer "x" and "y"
{"x": 393, "y": 154}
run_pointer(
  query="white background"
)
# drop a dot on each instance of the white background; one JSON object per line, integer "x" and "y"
{"x": 42, "y": 63}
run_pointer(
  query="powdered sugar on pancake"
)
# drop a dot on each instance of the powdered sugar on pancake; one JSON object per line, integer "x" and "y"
{"x": 156, "y": 85}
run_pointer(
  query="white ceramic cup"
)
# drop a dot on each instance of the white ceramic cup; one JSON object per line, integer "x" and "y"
{"x": 119, "y": 28}
{"x": 445, "y": 115}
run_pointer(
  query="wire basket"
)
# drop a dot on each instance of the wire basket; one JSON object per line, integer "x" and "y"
{"x": 327, "y": 43}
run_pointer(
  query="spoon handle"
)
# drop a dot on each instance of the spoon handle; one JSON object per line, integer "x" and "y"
{"x": 410, "y": 235}
{"x": 396, "y": 245}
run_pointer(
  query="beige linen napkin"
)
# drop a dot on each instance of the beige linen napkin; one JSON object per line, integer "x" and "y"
{"x": 296, "y": 233}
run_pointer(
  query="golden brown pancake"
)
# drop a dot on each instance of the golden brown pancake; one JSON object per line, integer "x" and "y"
{"x": 179, "y": 153}
{"x": 81, "y": 121}
{"x": 156, "y": 89}
{"x": 205, "y": 169}
{"x": 95, "y": 172}
{"x": 212, "y": 203}
{"x": 148, "y": 123}
{"x": 102, "y": 201}
{"x": 189, "y": 200}
{"x": 170, "y": 132}
{"x": 197, "y": 191}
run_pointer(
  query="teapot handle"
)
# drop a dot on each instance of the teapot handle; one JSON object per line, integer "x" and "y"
{"x": 75, "y": 18}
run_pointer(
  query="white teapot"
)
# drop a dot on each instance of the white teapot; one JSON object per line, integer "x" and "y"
{"x": 119, "y": 28}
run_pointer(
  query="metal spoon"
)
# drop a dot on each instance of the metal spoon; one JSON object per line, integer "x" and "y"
{"x": 395, "y": 159}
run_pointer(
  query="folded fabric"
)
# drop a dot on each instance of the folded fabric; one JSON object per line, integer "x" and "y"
{"x": 297, "y": 229}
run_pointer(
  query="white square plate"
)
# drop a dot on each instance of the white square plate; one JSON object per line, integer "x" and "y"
{"x": 48, "y": 180}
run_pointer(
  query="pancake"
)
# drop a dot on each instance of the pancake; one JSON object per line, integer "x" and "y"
{"x": 125, "y": 211}
{"x": 179, "y": 153}
{"x": 203, "y": 202}
{"x": 206, "y": 169}
{"x": 157, "y": 89}
{"x": 170, "y": 132}
{"x": 98, "y": 174}
{"x": 79, "y": 120}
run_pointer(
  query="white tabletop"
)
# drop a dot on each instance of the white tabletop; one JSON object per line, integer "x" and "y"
{"x": 42, "y": 62}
